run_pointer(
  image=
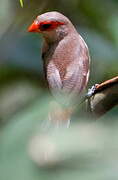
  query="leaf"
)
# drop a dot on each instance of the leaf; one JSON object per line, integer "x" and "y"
{"x": 21, "y": 3}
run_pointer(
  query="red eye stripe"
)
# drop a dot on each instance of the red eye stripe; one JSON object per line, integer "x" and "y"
{"x": 49, "y": 25}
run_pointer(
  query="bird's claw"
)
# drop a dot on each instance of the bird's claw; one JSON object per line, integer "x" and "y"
{"x": 91, "y": 91}
{"x": 89, "y": 94}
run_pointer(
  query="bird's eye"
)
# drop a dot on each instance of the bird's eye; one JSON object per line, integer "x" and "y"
{"x": 45, "y": 26}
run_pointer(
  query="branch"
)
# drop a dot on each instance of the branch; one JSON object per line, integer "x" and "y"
{"x": 105, "y": 97}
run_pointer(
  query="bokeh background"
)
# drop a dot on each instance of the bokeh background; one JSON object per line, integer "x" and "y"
{"x": 23, "y": 93}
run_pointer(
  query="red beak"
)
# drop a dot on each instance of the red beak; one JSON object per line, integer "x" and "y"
{"x": 33, "y": 28}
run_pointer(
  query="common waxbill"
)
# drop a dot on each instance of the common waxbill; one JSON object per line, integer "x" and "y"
{"x": 65, "y": 58}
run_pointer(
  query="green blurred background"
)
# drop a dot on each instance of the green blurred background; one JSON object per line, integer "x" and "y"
{"x": 23, "y": 95}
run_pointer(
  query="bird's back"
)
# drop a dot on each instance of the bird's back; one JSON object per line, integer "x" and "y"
{"x": 67, "y": 66}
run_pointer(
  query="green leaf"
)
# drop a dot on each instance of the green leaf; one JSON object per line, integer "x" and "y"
{"x": 21, "y": 3}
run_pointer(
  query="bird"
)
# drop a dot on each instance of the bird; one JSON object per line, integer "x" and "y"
{"x": 66, "y": 62}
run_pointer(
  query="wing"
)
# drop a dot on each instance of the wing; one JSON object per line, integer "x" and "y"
{"x": 66, "y": 91}
{"x": 77, "y": 74}
{"x": 56, "y": 84}
{"x": 54, "y": 80}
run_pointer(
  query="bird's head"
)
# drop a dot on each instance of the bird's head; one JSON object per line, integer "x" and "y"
{"x": 52, "y": 25}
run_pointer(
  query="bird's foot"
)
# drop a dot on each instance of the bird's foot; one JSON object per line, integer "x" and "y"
{"x": 91, "y": 91}
{"x": 89, "y": 94}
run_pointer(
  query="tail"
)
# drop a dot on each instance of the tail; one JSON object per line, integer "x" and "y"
{"x": 60, "y": 115}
